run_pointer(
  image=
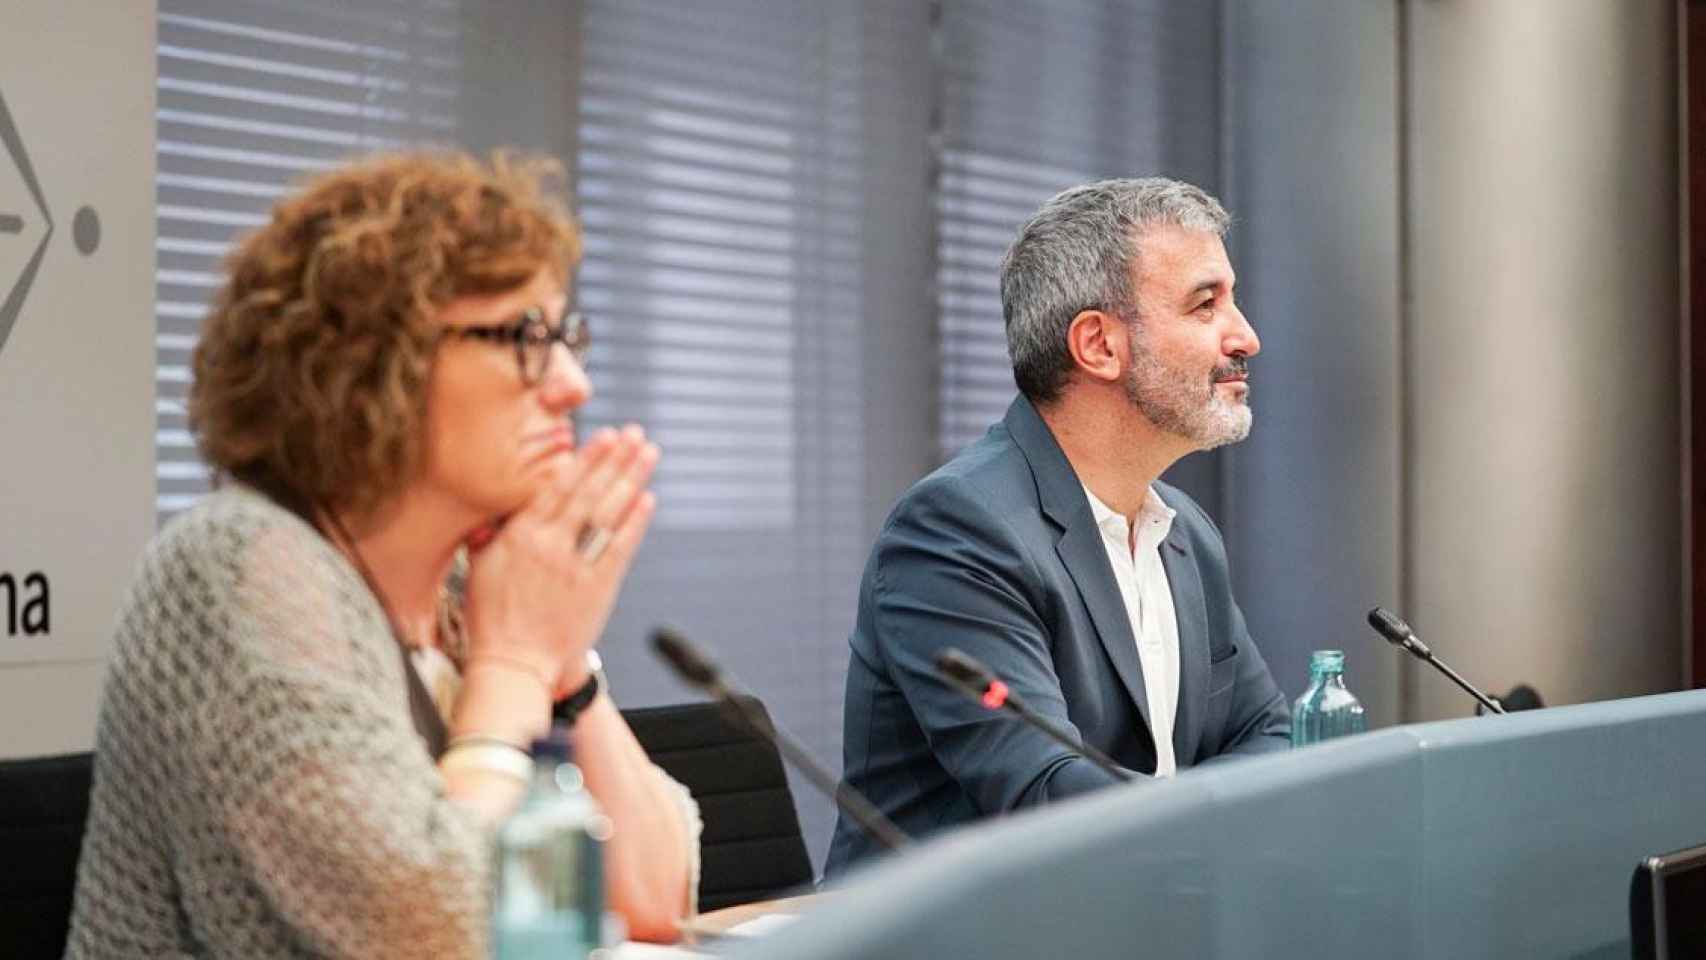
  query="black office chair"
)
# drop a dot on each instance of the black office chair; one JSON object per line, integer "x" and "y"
{"x": 752, "y": 847}
{"x": 43, "y": 803}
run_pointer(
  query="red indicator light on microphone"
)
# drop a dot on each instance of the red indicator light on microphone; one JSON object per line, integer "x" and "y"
{"x": 996, "y": 695}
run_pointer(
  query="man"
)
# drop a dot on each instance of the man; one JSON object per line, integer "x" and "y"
{"x": 1050, "y": 551}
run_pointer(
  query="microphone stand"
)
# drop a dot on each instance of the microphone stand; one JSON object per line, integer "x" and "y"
{"x": 1399, "y": 634}
{"x": 699, "y": 672}
{"x": 880, "y": 827}
{"x": 957, "y": 670}
{"x": 1493, "y": 706}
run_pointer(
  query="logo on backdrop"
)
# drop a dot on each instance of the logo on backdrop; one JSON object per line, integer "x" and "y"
{"x": 20, "y": 225}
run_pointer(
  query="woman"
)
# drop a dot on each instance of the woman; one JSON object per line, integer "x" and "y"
{"x": 382, "y": 386}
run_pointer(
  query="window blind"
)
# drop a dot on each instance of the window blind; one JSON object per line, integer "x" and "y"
{"x": 718, "y": 176}
{"x": 1038, "y": 96}
{"x": 253, "y": 96}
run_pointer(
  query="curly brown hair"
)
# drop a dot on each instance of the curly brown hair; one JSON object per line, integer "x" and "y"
{"x": 311, "y": 373}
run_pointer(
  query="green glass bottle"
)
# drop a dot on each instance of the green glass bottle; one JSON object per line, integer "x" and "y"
{"x": 550, "y": 864}
{"x": 1326, "y": 710}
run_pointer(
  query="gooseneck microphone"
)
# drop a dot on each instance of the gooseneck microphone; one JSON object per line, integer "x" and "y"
{"x": 699, "y": 672}
{"x": 975, "y": 680}
{"x": 1399, "y": 634}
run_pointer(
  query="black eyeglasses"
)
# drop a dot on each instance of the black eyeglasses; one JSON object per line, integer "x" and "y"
{"x": 533, "y": 338}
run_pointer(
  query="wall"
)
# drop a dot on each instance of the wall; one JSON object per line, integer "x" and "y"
{"x": 1311, "y": 508}
{"x": 1544, "y": 499}
{"x": 1457, "y": 236}
{"x": 76, "y": 353}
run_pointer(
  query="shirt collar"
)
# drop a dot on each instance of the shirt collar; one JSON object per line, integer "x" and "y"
{"x": 1153, "y": 511}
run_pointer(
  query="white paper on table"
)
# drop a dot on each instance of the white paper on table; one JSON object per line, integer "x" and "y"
{"x": 631, "y": 950}
{"x": 762, "y": 925}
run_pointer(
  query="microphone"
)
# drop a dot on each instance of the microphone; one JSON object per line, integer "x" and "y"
{"x": 701, "y": 673}
{"x": 973, "y": 679}
{"x": 1398, "y": 633}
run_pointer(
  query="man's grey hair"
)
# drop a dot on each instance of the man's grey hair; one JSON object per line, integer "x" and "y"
{"x": 1079, "y": 252}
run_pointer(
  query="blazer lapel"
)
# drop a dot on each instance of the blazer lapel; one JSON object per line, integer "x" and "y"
{"x": 1080, "y": 549}
{"x": 1190, "y": 609}
{"x": 1086, "y": 560}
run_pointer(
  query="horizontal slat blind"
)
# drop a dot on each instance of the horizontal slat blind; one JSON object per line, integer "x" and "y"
{"x": 701, "y": 146}
{"x": 254, "y": 95}
{"x": 1038, "y": 96}
{"x": 718, "y": 182}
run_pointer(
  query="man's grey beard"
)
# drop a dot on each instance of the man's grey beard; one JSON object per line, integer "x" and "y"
{"x": 1179, "y": 403}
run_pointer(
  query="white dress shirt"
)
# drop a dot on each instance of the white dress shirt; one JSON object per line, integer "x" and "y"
{"x": 1136, "y": 558}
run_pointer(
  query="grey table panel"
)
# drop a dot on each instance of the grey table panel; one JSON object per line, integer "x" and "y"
{"x": 1485, "y": 837}
{"x": 1535, "y": 822}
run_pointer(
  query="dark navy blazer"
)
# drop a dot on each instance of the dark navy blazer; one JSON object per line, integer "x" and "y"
{"x": 997, "y": 553}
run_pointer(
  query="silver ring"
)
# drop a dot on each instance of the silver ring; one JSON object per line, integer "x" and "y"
{"x": 592, "y": 542}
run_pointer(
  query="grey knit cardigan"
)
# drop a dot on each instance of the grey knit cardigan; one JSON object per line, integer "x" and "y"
{"x": 260, "y": 790}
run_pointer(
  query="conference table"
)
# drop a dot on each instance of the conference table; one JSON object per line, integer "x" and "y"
{"x": 712, "y": 934}
{"x": 1498, "y": 836}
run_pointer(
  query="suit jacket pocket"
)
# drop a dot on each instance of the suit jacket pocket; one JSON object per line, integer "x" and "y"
{"x": 1222, "y": 678}
{"x": 1222, "y": 674}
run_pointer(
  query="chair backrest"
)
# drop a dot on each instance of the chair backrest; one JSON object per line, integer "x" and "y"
{"x": 752, "y": 848}
{"x": 43, "y": 804}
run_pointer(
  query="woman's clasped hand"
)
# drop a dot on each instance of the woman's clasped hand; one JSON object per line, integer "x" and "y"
{"x": 542, "y": 584}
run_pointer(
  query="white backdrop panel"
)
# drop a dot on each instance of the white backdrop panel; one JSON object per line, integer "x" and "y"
{"x": 76, "y": 351}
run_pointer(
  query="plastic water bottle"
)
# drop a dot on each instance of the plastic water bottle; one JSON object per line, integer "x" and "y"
{"x": 1326, "y": 710}
{"x": 550, "y": 864}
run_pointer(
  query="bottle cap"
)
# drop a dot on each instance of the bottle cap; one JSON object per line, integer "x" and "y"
{"x": 1327, "y": 661}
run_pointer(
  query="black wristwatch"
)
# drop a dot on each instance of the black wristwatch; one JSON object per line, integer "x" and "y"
{"x": 569, "y": 709}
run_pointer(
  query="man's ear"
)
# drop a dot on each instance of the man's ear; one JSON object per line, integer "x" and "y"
{"x": 1098, "y": 343}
